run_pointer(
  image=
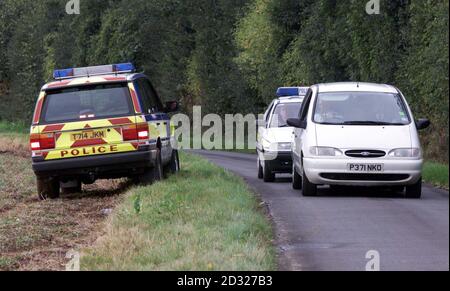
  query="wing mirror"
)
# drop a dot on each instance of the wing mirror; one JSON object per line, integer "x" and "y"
{"x": 297, "y": 123}
{"x": 172, "y": 106}
{"x": 422, "y": 124}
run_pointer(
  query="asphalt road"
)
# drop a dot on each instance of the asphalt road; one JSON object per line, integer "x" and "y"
{"x": 336, "y": 230}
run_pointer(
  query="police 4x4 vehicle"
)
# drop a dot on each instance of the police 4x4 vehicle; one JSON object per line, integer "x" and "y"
{"x": 102, "y": 122}
{"x": 275, "y": 136}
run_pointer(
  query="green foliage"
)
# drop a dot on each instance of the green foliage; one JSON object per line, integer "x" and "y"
{"x": 309, "y": 42}
{"x": 230, "y": 55}
{"x": 436, "y": 174}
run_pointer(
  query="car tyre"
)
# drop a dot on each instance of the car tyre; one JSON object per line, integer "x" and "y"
{"x": 154, "y": 174}
{"x": 296, "y": 179}
{"x": 414, "y": 191}
{"x": 174, "y": 166}
{"x": 260, "y": 170}
{"x": 73, "y": 190}
{"x": 48, "y": 188}
{"x": 268, "y": 176}
{"x": 309, "y": 189}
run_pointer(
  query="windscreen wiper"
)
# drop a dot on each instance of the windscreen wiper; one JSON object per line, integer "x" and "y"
{"x": 370, "y": 123}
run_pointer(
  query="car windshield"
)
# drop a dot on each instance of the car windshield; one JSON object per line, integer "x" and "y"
{"x": 360, "y": 108}
{"x": 283, "y": 112}
{"x": 87, "y": 102}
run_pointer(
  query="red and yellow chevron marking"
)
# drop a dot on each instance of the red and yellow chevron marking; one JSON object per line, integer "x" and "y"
{"x": 90, "y": 151}
{"x": 38, "y": 110}
{"x": 137, "y": 106}
{"x": 110, "y": 138}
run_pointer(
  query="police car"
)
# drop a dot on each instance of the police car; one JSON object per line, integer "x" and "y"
{"x": 275, "y": 136}
{"x": 100, "y": 122}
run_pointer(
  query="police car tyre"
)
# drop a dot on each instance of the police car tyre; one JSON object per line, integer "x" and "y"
{"x": 48, "y": 188}
{"x": 414, "y": 191}
{"x": 296, "y": 180}
{"x": 268, "y": 176}
{"x": 72, "y": 190}
{"x": 174, "y": 166}
{"x": 260, "y": 170}
{"x": 153, "y": 174}
{"x": 158, "y": 172}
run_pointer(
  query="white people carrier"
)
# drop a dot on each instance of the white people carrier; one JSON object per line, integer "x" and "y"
{"x": 357, "y": 134}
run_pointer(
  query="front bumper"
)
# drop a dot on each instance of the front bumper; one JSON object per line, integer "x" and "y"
{"x": 278, "y": 162}
{"x": 102, "y": 166}
{"x": 328, "y": 171}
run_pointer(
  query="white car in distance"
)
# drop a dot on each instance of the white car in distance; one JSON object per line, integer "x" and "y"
{"x": 357, "y": 134}
{"x": 275, "y": 136}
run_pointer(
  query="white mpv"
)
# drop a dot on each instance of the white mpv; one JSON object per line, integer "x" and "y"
{"x": 357, "y": 134}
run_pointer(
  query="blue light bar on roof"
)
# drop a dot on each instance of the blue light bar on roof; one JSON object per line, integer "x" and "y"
{"x": 127, "y": 67}
{"x": 94, "y": 71}
{"x": 61, "y": 74}
{"x": 292, "y": 91}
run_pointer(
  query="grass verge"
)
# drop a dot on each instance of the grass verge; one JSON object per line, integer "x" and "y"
{"x": 13, "y": 128}
{"x": 436, "y": 174}
{"x": 202, "y": 219}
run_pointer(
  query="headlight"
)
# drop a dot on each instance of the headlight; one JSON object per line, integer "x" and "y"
{"x": 285, "y": 146}
{"x": 276, "y": 147}
{"x": 406, "y": 153}
{"x": 325, "y": 152}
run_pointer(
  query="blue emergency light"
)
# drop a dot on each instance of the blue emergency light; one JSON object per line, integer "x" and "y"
{"x": 94, "y": 71}
{"x": 292, "y": 91}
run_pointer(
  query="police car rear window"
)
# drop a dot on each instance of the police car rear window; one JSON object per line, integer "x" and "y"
{"x": 87, "y": 102}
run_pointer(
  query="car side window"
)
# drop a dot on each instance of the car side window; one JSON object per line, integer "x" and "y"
{"x": 150, "y": 100}
{"x": 305, "y": 106}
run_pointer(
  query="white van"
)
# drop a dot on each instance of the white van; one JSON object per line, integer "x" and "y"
{"x": 357, "y": 134}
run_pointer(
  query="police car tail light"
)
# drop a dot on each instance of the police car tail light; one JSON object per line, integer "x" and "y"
{"x": 143, "y": 131}
{"x": 136, "y": 132}
{"x": 42, "y": 141}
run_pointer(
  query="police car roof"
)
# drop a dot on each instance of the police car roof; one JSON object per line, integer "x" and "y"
{"x": 290, "y": 99}
{"x": 80, "y": 81}
{"x": 93, "y": 75}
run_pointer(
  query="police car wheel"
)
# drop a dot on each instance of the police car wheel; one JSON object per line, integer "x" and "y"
{"x": 72, "y": 190}
{"x": 158, "y": 172}
{"x": 260, "y": 170}
{"x": 268, "y": 176}
{"x": 48, "y": 188}
{"x": 175, "y": 163}
{"x": 153, "y": 174}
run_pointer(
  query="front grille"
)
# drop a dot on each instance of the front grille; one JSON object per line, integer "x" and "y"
{"x": 365, "y": 177}
{"x": 365, "y": 154}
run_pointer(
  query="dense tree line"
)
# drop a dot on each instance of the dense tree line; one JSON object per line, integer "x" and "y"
{"x": 306, "y": 42}
{"x": 231, "y": 55}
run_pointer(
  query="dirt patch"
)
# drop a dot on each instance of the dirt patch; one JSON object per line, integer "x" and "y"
{"x": 36, "y": 235}
{"x": 14, "y": 146}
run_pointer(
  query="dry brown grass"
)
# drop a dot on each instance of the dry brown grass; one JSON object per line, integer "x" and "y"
{"x": 15, "y": 145}
{"x": 36, "y": 235}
